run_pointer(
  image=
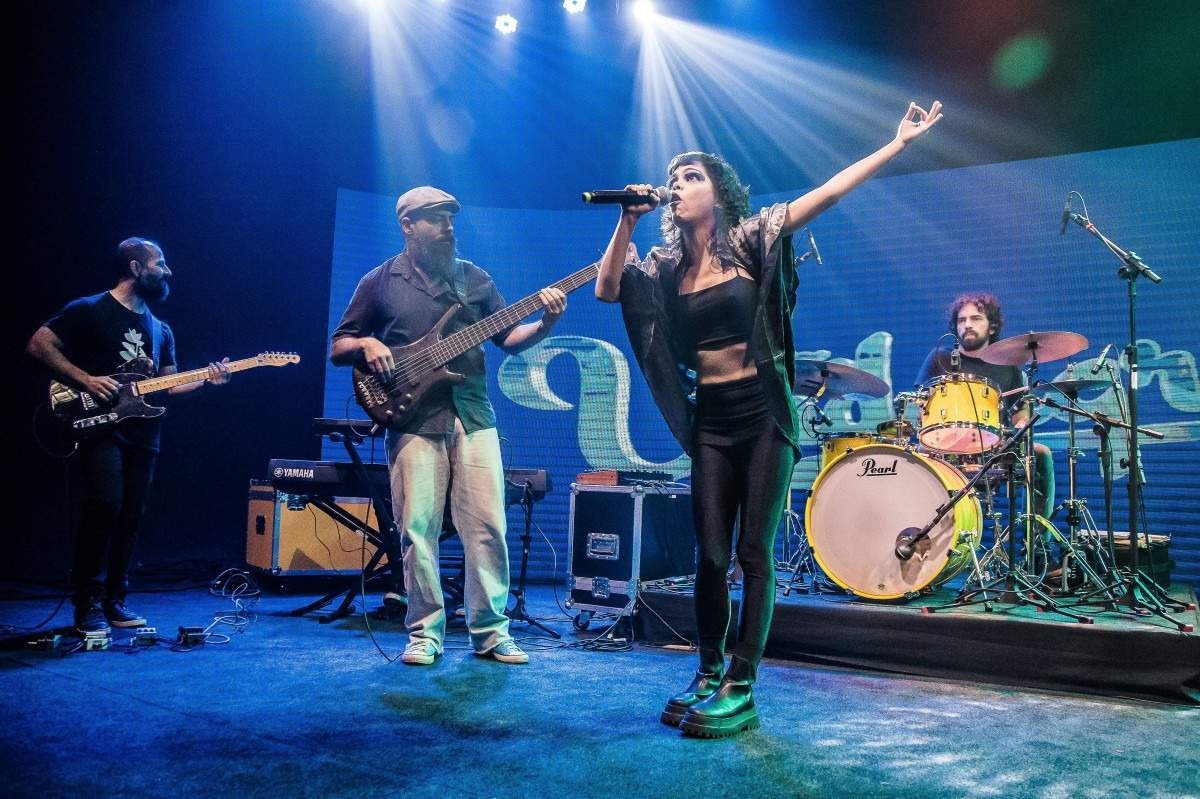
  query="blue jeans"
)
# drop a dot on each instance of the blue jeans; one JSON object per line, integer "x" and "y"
{"x": 423, "y": 469}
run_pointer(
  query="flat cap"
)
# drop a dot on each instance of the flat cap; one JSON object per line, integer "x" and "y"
{"x": 424, "y": 198}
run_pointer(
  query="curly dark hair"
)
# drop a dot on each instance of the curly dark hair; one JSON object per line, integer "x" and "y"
{"x": 986, "y": 303}
{"x": 732, "y": 204}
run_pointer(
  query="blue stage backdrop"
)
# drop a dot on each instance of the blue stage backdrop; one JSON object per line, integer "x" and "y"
{"x": 896, "y": 253}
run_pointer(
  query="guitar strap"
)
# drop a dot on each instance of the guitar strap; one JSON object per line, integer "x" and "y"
{"x": 458, "y": 284}
{"x": 155, "y": 339}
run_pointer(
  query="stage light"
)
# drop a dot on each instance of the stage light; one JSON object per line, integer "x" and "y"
{"x": 643, "y": 11}
{"x": 506, "y": 24}
{"x": 574, "y": 6}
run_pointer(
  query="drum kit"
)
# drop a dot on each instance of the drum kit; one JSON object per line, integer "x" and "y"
{"x": 894, "y": 514}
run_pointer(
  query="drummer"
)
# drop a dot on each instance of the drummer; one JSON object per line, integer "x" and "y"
{"x": 977, "y": 321}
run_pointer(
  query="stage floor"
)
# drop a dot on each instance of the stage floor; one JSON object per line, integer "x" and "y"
{"x": 1115, "y": 654}
{"x": 291, "y": 706}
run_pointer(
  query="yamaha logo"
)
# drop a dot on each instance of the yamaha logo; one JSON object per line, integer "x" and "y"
{"x": 298, "y": 474}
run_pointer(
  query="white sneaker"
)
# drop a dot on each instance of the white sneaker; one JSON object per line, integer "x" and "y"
{"x": 419, "y": 652}
{"x": 507, "y": 652}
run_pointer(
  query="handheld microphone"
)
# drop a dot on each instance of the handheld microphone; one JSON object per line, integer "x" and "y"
{"x": 812, "y": 245}
{"x": 1066, "y": 215}
{"x": 1099, "y": 364}
{"x": 657, "y": 196}
{"x": 956, "y": 357}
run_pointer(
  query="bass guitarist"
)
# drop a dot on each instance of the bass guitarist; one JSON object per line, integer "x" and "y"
{"x": 89, "y": 339}
{"x": 450, "y": 443}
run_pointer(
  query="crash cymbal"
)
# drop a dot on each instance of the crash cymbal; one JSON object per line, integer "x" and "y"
{"x": 840, "y": 381}
{"x": 1071, "y": 387}
{"x": 1051, "y": 345}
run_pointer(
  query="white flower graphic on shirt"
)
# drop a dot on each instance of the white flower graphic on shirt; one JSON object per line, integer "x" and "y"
{"x": 134, "y": 347}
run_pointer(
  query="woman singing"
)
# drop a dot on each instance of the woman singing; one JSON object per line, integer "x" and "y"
{"x": 717, "y": 299}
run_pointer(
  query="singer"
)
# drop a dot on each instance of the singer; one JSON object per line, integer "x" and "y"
{"x": 717, "y": 299}
{"x": 977, "y": 321}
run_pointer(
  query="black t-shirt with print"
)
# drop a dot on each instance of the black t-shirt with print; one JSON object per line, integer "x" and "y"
{"x": 101, "y": 336}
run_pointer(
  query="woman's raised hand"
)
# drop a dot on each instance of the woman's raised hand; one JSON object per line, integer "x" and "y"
{"x": 917, "y": 121}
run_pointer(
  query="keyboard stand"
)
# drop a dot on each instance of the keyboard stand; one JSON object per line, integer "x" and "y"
{"x": 386, "y": 539}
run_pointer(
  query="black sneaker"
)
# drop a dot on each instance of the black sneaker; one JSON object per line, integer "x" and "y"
{"x": 90, "y": 618}
{"x": 120, "y": 616}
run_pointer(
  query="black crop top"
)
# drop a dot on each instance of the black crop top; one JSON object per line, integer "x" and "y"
{"x": 720, "y": 315}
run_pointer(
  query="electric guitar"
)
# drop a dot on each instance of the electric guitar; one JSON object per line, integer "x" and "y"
{"x": 82, "y": 414}
{"x": 392, "y": 400}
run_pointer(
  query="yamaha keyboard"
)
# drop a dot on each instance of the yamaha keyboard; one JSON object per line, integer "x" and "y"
{"x": 326, "y": 478}
{"x": 336, "y": 478}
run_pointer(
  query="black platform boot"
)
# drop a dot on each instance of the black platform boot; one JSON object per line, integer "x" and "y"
{"x": 712, "y": 667}
{"x": 729, "y": 710}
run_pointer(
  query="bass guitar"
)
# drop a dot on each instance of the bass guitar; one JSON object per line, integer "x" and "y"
{"x": 82, "y": 414}
{"x": 392, "y": 400}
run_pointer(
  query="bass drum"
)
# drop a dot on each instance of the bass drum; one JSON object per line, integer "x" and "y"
{"x": 865, "y": 501}
{"x": 835, "y": 445}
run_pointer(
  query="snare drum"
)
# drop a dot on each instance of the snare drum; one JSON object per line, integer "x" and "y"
{"x": 970, "y": 466}
{"x": 897, "y": 431}
{"x": 862, "y": 504}
{"x": 835, "y": 445}
{"x": 961, "y": 414}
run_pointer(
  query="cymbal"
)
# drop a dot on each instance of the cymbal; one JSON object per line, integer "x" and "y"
{"x": 1051, "y": 345}
{"x": 840, "y": 381}
{"x": 1070, "y": 387}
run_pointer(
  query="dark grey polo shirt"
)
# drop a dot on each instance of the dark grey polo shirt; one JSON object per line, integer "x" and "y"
{"x": 398, "y": 305}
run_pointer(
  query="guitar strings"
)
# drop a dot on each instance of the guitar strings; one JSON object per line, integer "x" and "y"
{"x": 401, "y": 375}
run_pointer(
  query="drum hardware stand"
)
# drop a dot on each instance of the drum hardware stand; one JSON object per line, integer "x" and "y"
{"x": 803, "y": 563}
{"x": 1077, "y": 512}
{"x": 1109, "y": 590}
{"x": 982, "y": 573}
{"x": 1141, "y": 596}
{"x": 1014, "y": 576}
{"x": 1018, "y": 578}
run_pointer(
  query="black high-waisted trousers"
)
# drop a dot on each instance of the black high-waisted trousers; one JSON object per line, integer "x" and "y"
{"x": 741, "y": 468}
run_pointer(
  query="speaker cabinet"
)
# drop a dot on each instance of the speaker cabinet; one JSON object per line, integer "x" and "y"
{"x": 286, "y": 536}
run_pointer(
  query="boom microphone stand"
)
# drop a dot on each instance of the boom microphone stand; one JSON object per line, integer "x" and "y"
{"x": 1141, "y": 596}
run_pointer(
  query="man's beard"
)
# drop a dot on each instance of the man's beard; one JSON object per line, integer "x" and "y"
{"x": 434, "y": 255}
{"x": 974, "y": 344}
{"x": 152, "y": 292}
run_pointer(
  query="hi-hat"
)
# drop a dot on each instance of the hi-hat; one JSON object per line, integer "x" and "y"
{"x": 840, "y": 381}
{"x": 1072, "y": 387}
{"x": 1051, "y": 345}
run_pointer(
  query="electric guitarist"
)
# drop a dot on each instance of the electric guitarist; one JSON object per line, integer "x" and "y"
{"x": 85, "y": 342}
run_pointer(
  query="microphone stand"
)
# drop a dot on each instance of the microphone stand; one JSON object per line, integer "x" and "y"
{"x": 1141, "y": 596}
{"x": 518, "y": 612}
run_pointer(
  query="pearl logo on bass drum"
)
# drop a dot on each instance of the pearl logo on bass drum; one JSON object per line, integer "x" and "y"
{"x": 869, "y": 469}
